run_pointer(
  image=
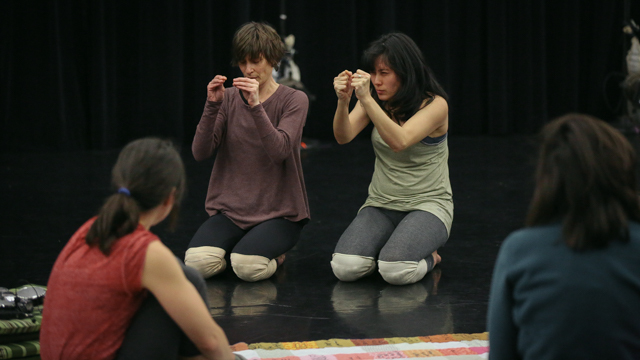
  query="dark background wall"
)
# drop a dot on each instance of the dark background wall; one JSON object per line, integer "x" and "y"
{"x": 96, "y": 74}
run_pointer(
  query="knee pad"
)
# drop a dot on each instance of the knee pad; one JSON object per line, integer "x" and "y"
{"x": 253, "y": 267}
{"x": 208, "y": 260}
{"x": 352, "y": 267}
{"x": 402, "y": 272}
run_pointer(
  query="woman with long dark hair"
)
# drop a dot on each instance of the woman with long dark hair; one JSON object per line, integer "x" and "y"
{"x": 568, "y": 285}
{"x": 408, "y": 213}
{"x": 98, "y": 304}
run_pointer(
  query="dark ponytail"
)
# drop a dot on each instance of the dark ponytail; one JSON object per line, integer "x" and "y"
{"x": 146, "y": 172}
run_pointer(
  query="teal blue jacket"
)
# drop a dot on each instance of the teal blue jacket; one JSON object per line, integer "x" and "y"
{"x": 548, "y": 301}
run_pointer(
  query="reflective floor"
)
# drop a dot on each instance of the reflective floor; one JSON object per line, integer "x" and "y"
{"x": 46, "y": 197}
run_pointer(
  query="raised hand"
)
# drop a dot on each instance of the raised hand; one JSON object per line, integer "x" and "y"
{"x": 360, "y": 82}
{"x": 215, "y": 88}
{"x": 342, "y": 85}
{"x": 250, "y": 89}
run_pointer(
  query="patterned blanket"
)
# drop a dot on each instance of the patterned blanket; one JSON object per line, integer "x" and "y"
{"x": 449, "y": 346}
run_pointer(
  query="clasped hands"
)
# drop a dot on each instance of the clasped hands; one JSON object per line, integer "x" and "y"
{"x": 248, "y": 86}
{"x": 346, "y": 82}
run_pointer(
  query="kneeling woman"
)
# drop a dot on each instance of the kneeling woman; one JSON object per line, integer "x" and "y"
{"x": 97, "y": 304}
{"x": 257, "y": 199}
{"x": 408, "y": 213}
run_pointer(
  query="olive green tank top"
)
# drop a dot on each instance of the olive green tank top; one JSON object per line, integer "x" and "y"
{"x": 416, "y": 178}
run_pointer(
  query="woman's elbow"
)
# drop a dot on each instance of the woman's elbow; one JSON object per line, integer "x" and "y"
{"x": 280, "y": 155}
{"x": 397, "y": 147}
{"x": 198, "y": 155}
{"x": 342, "y": 139}
{"x": 201, "y": 153}
{"x": 210, "y": 347}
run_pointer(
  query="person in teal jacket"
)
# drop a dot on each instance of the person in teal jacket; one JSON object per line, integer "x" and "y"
{"x": 568, "y": 285}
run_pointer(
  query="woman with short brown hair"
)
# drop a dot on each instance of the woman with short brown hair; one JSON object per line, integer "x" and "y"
{"x": 257, "y": 201}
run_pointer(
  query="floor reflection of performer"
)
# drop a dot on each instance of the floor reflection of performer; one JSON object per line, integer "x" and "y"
{"x": 242, "y": 298}
{"x": 408, "y": 213}
{"x": 257, "y": 198}
{"x": 374, "y": 309}
{"x": 253, "y": 299}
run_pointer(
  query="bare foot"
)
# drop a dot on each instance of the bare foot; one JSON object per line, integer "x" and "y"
{"x": 436, "y": 273}
{"x": 436, "y": 258}
{"x": 280, "y": 259}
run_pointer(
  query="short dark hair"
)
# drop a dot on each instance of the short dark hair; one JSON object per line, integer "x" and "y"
{"x": 417, "y": 81}
{"x": 585, "y": 178}
{"x": 257, "y": 40}
{"x": 149, "y": 169}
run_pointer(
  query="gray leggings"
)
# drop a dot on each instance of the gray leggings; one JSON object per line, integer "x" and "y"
{"x": 390, "y": 235}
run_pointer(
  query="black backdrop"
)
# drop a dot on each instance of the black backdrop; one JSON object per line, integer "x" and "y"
{"x": 96, "y": 74}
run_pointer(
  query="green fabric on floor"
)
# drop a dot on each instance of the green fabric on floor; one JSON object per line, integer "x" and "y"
{"x": 20, "y": 326}
{"x": 16, "y": 338}
{"x": 19, "y": 337}
{"x": 19, "y": 350}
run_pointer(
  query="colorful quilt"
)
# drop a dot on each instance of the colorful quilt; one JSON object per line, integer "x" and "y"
{"x": 449, "y": 346}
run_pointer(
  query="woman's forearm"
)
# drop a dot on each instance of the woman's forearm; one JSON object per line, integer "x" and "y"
{"x": 217, "y": 348}
{"x": 389, "y": 130}
{"x": 279, "y": 141}
{"x": 204, "y": 142}
{"x": 342, "y": 129}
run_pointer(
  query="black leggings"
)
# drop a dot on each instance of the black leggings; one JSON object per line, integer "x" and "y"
{"x": 270, "y": 239}
{"x": 154, "y": 335}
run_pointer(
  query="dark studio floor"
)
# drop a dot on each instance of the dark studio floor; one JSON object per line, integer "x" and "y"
{"x": 46, "y": 197}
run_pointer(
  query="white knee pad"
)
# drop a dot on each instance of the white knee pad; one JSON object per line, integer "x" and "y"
{"x": 352, "y": 267}
{"x": 208, "y": 260}
{"x": 402, "y": 272}
{"x": 253, "y": 267}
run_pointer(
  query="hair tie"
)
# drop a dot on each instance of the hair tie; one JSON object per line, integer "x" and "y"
{"x": 124, "y": 190}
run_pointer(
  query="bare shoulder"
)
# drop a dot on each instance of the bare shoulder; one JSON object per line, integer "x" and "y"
{"x": 158, "y": 254}
{"x": 436, "y": 110}
{"x": 157, "y": 247}
{"x": 437, "y": 104}
{"x": 435, "y": 115}
{"x": 160, "y": 263}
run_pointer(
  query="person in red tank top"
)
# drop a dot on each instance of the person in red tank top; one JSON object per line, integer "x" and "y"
{"x": 98, "y": 304}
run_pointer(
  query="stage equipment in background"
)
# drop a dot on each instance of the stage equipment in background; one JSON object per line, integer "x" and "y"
{"x": 631, "y": 84}
{"x": 20, "y": 320}
{"x": 19, "y": 303}
{"x": 289, "y": 73}
{"x": 623, "y": 100}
